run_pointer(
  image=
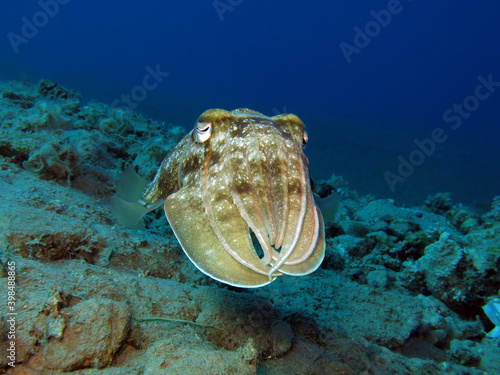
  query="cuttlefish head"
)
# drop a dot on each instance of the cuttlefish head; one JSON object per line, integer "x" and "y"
{"x": 238, "y": 197}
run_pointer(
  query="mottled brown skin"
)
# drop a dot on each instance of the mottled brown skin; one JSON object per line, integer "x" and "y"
{"x": 250, "y": 175}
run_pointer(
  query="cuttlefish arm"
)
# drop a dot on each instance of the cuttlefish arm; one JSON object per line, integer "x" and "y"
{"x": 189, "y": 221}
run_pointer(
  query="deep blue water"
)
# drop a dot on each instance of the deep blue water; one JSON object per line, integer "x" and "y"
{"x": 368, "y": 78}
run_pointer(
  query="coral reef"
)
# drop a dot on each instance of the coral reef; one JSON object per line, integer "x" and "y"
{"x": 400, "y": 291}
{"x": 81, "y": 146}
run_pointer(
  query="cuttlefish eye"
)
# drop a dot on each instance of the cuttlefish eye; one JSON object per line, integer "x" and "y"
{"x": 305, "y": 137}
{"x": 202, "y": 131}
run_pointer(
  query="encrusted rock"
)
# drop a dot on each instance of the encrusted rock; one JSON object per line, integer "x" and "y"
{"x": 94, "y": 332}
{"x": 439, "y": 263}
{"x": 282, "y": 336}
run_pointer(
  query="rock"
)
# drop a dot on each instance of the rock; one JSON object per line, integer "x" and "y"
{"x": 94, "y": 332}
{"x": 465, "y": 352}
{"x": 377, "y": 278}
{"x": 439, "y": 263}
{"x": 282, "y": 336}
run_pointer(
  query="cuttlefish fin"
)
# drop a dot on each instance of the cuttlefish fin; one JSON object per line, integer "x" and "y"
{"x": 329, "y": 205}
{"x": 191, "y": 225}
{"x": 125, "y": 205}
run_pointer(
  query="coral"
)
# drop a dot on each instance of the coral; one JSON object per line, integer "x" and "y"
{"x": 111, "y": 125}
{"x": 469, "y": 225}
{"x": 484, "y": 249}
{"x": 414, "y": 244}
{"x": 439, "y": 263}
{"x": 53, "y": 91}
{"x": 45, "y": 130}
{"x": 463, "y": 219}
{"x": 494, "y": 214}
{"x": 52, "y": 162}
{"x": 51, "y": 115}
{"x": 439, "y": 203}
{"x": 24, "y": 101}
{"x": 324, "y": 188}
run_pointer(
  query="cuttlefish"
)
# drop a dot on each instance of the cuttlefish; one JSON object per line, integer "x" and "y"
{"x": 237, "y": 193}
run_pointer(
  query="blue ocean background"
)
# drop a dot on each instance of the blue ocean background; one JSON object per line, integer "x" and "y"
{"x": 363, "y": 116}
